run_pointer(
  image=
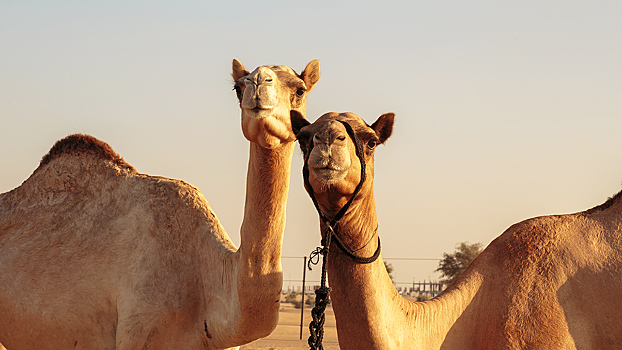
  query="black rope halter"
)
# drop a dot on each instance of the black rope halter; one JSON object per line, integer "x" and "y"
{"x": 316, "y": 327}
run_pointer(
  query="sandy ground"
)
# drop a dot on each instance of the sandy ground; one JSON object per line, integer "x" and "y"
{"x": 286, "y": 336}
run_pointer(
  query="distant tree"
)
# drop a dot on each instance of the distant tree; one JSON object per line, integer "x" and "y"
{"x": 422, "y": 297}
{"x": 390, "y": 269}
{"x": 452, "y": 265}
{"x": 291, "y": 297}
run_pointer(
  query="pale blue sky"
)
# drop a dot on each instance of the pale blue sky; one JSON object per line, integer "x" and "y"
{"x": 504, "y": 110}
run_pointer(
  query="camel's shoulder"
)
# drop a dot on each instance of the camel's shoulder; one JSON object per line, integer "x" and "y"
{"x": 168, "y": 192}
{"x": 534, "y": 233}
{"x": 545, "y": 245}
{"x": 534, "y": 244}
{"x": 179, "y": 212}
{"x": 547, "y": 238}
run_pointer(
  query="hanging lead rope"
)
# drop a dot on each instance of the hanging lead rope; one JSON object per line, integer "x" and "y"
{"x": 322, "y": 299}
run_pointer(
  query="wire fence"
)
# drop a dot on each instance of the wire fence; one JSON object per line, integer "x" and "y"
{"x": 427, "y": 288}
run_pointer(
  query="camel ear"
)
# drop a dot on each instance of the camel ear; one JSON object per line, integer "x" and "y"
{"x": 311, "y": 74}
{"x": 298, "y": 121}
{"x": 384, "y": 126}
{"x": 238, "y": 70}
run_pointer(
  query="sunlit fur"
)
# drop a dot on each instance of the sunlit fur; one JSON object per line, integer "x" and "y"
{"x": 550, "y": 282}
{"x": 95, "y": 255}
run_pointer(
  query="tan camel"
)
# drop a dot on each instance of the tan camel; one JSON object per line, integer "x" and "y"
{"x": 550, "y": 282}
{"x": 94, "y": 255}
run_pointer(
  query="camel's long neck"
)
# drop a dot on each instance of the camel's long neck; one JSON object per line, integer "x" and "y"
{"x": 370, "y": 314}
{"x": 360, "y": 292}
{"x": 267, "y": 185}
{"x": 259, "y": 273}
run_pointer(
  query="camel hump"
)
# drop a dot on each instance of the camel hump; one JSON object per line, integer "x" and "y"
{"x": 81, "y": 145}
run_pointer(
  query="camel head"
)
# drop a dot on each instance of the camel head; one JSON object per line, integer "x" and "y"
{"x": 330, "y": 155}
{"x": 268, "y": 96}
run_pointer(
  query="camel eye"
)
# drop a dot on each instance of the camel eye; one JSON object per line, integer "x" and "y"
{"x": 300, "y": 92}
{"x": 303, "y": 144}
{"x": 371, "y": 144}
{"x": 341, "y": 138}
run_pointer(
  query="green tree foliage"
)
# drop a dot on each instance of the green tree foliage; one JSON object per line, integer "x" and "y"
{"x": 422, "y": 297}
{"x": 452, "y": 265}
{"x": 291, "y": 297}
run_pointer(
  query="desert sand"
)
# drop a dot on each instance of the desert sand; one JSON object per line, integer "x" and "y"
{"x": 286, "y": 336}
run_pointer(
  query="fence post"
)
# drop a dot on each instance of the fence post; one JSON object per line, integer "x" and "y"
{"x": 302, "y": 308}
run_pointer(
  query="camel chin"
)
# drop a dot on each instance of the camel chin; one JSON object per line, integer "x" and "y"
{"x": 262, "y": 128}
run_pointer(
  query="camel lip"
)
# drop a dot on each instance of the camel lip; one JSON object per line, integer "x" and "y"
{"x": 258, "y": 112}
{"x": 259, "y": 108}
{"x": 327, "y": 169}
{"x": 326, "y": 165}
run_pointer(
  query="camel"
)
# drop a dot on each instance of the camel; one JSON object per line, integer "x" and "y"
{"x": 550, "y": 282}
{"x": 95, "y": 255}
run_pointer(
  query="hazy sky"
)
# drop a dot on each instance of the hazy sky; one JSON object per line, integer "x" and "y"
{"x": 504, "y": 110}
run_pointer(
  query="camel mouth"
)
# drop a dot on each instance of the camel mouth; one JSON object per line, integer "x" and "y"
{"x": 328, "y": 175}
{"x": 329, "y": 167}
{"x": 259, "y": 105}
{"x": 258, "y": 109}
{"x": 259, "y": 112}
{"x": 327, "y": 164}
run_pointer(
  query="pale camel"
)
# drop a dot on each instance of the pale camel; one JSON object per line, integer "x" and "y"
{"x": 551, "y": 282}
{"x": 94, "y": 255}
